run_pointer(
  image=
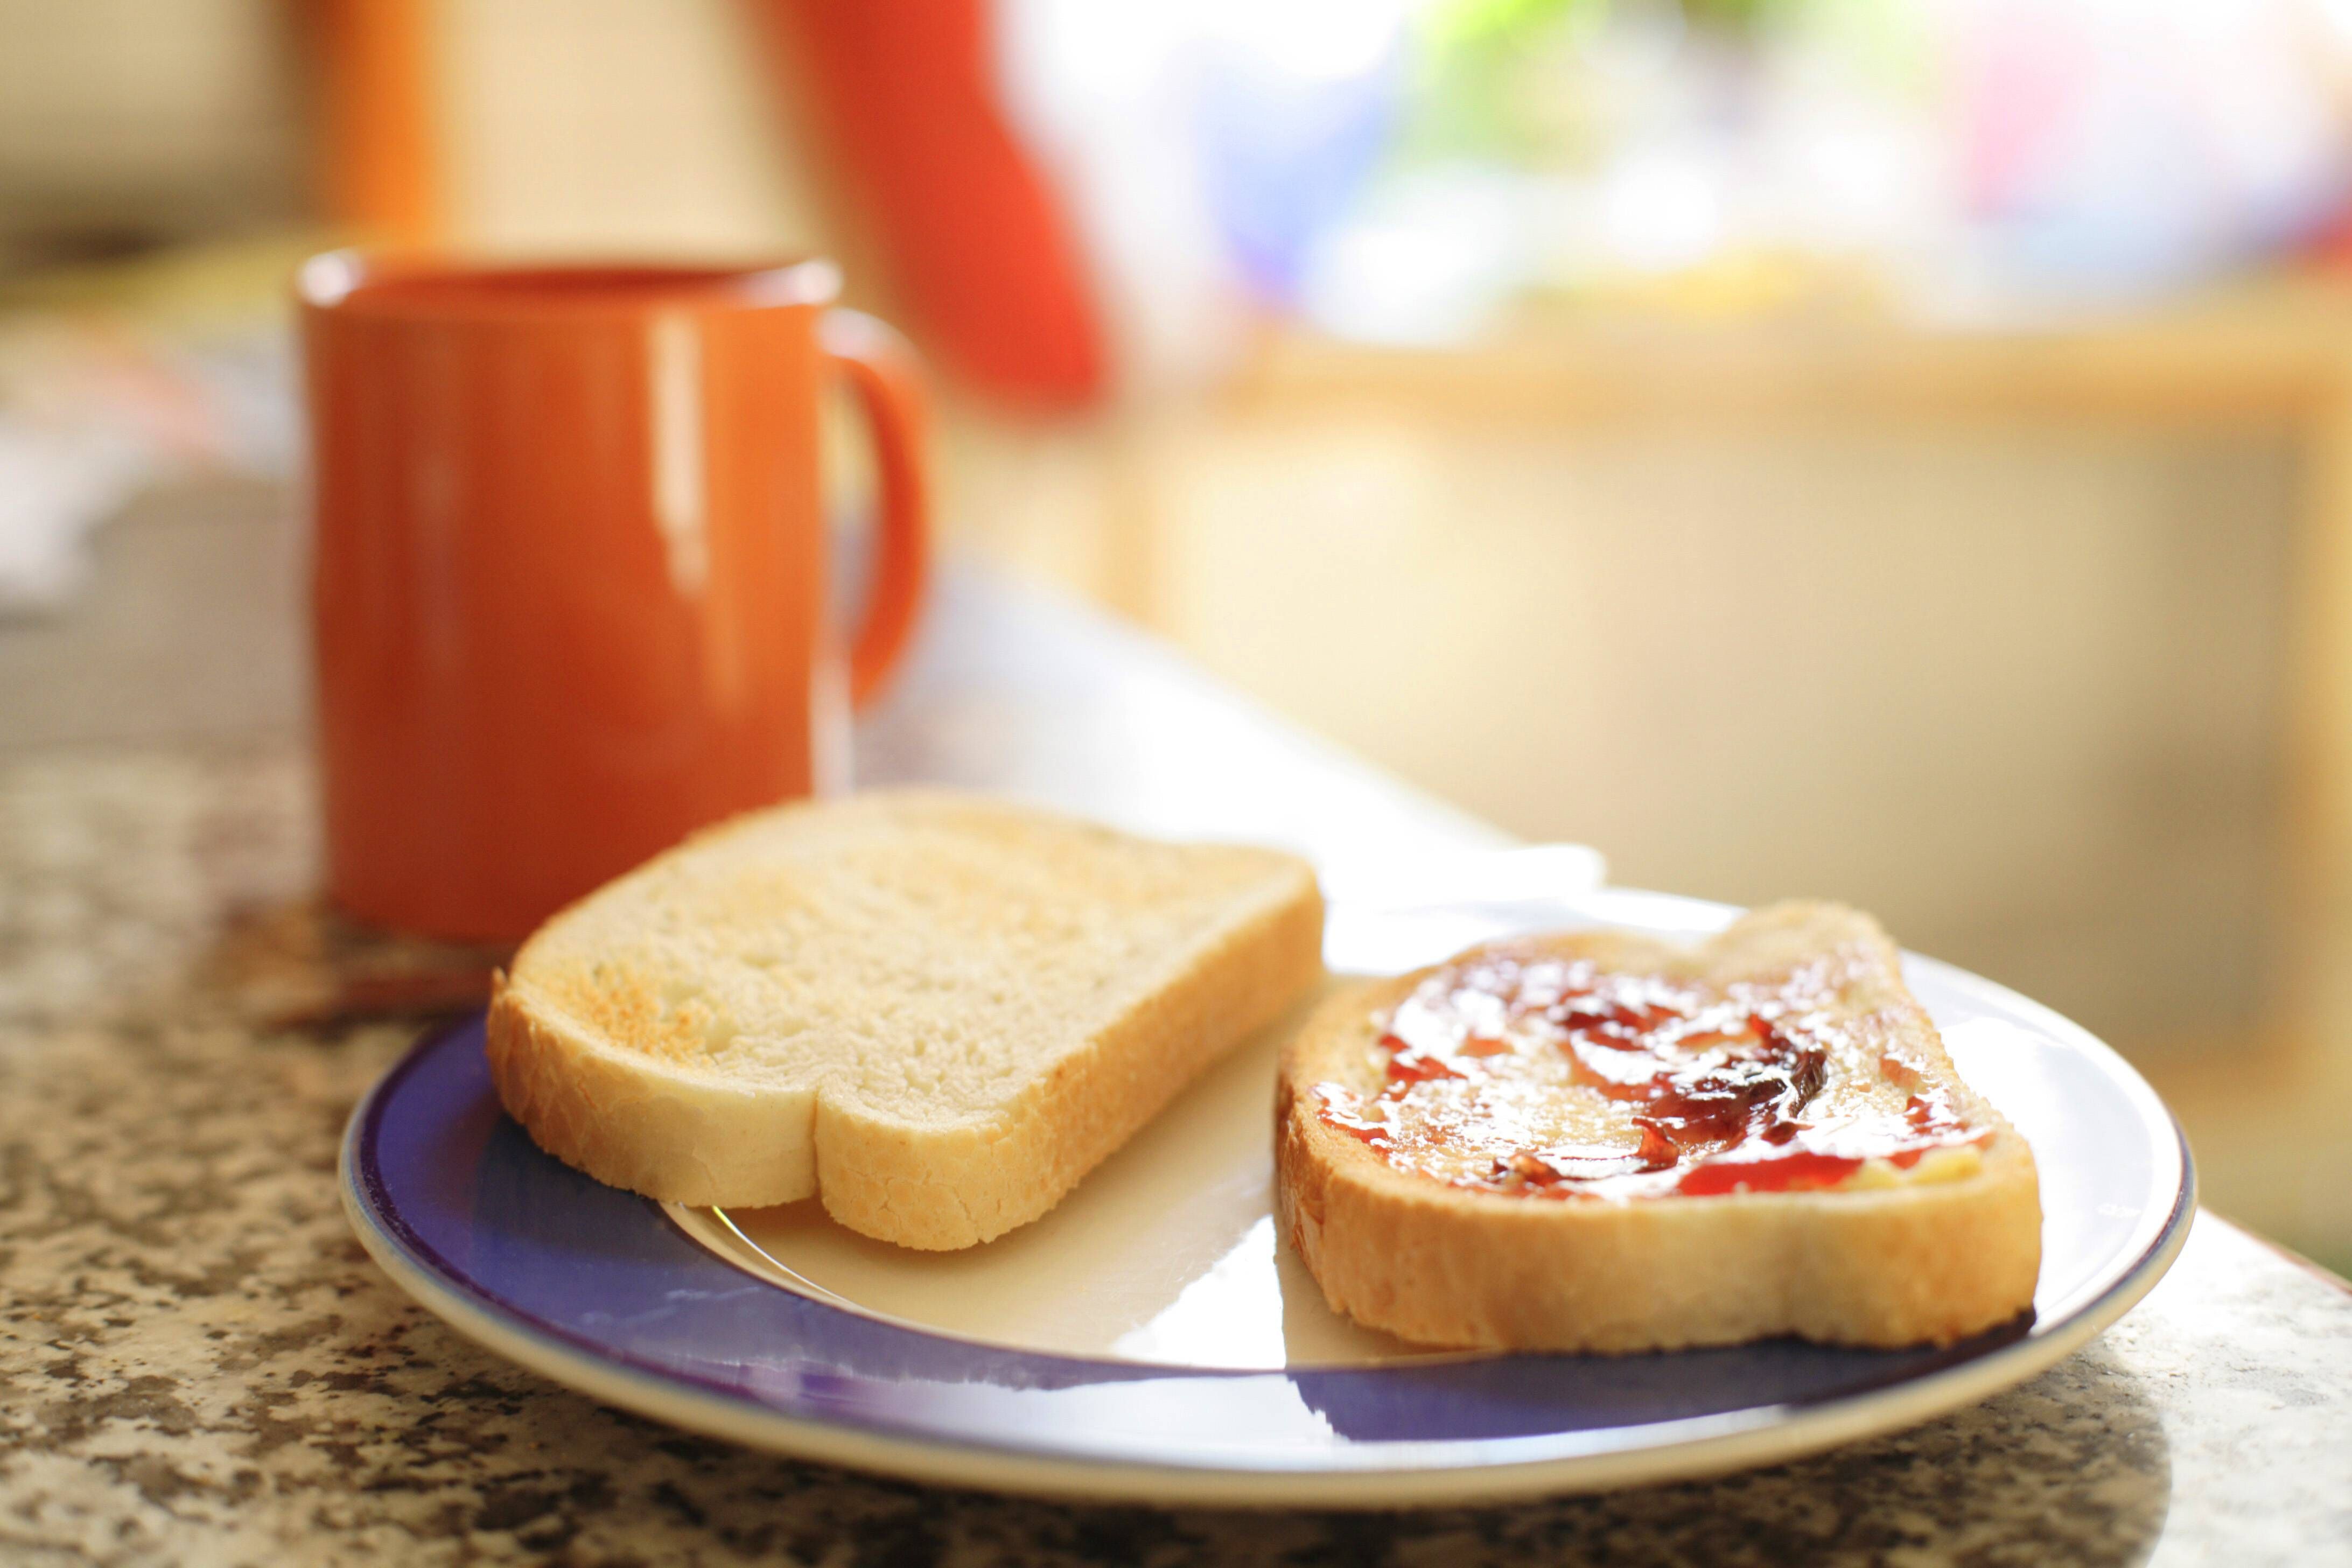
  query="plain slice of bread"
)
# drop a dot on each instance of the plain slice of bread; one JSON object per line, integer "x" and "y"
{"x": 1944, "y": 1247}
{"x": 935, "y": 1012}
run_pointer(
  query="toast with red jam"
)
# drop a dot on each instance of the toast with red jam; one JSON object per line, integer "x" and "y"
{"x": 1601, "y": 1141}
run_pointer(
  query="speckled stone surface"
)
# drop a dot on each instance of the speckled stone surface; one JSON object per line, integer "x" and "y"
{"x": 200, "y": 1365}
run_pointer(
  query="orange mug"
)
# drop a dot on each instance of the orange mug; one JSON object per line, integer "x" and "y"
{"x": 569, "y": 586}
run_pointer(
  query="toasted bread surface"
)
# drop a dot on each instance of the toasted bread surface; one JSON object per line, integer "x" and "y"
{"x": 1415, "y": 1224}
{"x": 935, "y": 1012}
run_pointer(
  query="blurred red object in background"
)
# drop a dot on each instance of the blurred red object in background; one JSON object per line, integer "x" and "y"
{"x": 984, "y": 260}
{"x": 903, "y": 96}
{"x": 380, "y": 161}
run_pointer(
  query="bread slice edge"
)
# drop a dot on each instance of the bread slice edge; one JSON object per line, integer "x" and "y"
{"x": 632, "y": 1122}
{"x": 978, "y": 1182}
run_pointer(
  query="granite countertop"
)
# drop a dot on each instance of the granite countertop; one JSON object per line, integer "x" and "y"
{"x": 203, "y": 1367}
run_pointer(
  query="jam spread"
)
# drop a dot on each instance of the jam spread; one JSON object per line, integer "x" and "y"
{"x": 1541, "y": 1076}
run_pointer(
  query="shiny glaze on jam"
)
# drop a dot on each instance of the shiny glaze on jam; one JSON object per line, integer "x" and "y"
{"x": 1722, "y": 1084}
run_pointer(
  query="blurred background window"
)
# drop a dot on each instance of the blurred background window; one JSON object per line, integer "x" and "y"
{"x": 125, "y": 126}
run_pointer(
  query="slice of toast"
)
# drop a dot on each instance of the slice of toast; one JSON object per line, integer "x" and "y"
{"x": 935, "y": 1012}
{"x": 1604, "y": 1141}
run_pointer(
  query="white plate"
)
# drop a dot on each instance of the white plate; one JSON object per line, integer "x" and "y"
{"x": 1150, "y": 1340}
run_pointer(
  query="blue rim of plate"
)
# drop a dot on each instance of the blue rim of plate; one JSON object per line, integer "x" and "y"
{"x": 599, "y": 1289}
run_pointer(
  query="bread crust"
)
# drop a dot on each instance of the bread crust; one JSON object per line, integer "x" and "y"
{"x": 589, "y": 1092}
{"x": 631, "y": 1122}
{"x": 984, "y": 1181}
{"x": 1921, "y": 1262}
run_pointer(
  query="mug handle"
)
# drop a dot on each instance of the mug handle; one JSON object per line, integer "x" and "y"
{"x": 884, "y": 373}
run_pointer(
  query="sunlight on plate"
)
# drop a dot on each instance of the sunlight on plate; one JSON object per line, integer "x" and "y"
{"x": 1166, "y": 1254}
